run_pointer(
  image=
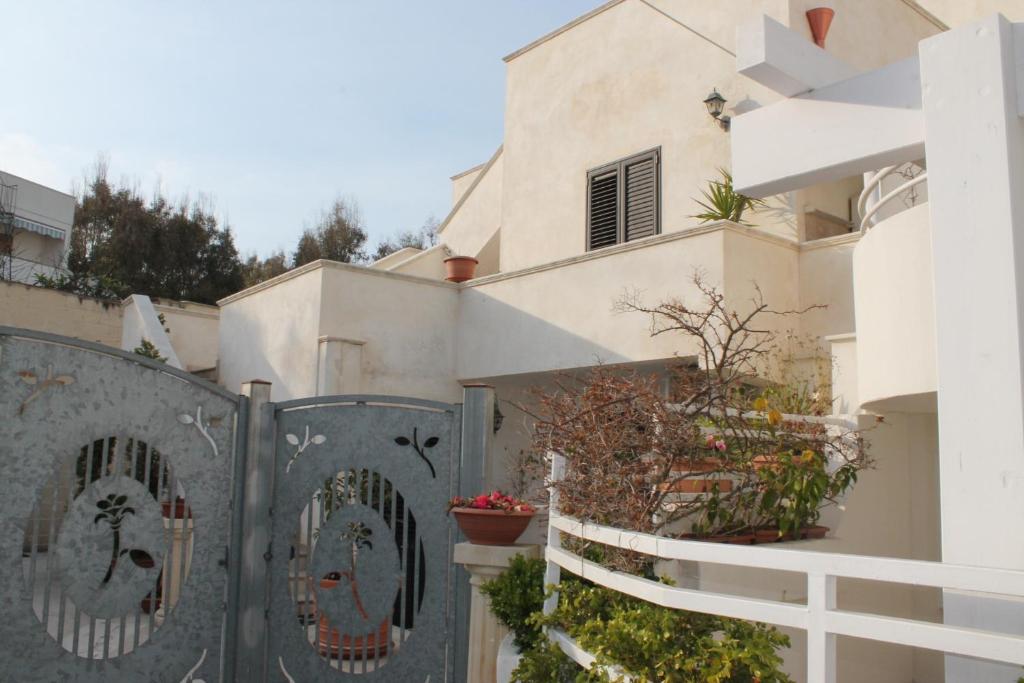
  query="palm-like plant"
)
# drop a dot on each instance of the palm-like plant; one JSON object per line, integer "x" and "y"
{"x": 723, "y": 203}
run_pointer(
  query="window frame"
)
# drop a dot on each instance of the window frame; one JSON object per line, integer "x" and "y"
{"x": 619, "y": 167}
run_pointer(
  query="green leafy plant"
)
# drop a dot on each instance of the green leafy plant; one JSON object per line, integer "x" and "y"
{"x": 97, "y": 287}
{"x": 631, "y": 637}
{"x": 148, "y": 349}
{"x": 548, "y": 664}
{"x": 516, "y": 596}
{"x": 723, "y": 203}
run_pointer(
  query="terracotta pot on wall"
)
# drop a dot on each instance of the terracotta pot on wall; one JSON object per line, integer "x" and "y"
{"x": 460, "y": 268}
{"x": 492, "y": 527}
{"x": 820, "y": 19}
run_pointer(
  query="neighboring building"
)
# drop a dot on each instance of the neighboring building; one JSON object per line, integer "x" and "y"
{"x": 35, "y": 229}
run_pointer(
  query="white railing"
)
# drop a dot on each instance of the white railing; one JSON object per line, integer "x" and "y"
{"x": 820, "y": 617}
{"x": 872, "y": 200}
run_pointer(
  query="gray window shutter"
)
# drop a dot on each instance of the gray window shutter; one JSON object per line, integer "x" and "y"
{"x": 603, "y": 208}
{"x": 641, "y": 196}
{"x": 623, "y": 200}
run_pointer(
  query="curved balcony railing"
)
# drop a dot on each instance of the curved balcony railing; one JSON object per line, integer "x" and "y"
{"x": 820, "y": 617}
{"x": 883, "y": 189}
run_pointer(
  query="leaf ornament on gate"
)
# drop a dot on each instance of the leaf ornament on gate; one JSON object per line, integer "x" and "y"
{"x": 203, "y": 427}
{"x": 41, "y": 384}
{"x": 420, "y": 450}
{"x": 316, "y": 440}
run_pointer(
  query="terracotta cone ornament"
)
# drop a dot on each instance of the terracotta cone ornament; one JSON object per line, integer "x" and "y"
{"x": 820, "y": 19}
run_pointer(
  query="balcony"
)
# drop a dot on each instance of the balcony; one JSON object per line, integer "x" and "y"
{"x": 893, "y": 293}
{"x": 562, "y": 315}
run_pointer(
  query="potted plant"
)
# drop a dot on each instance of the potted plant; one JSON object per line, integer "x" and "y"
{"x": 359, "y": 538}
{"x": 514, "y": 598}
{"x": 491, "y": 519}
{"x": 460, "y": 268}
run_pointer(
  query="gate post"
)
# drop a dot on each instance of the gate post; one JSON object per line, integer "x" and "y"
{"x": 253, "y": 589}
{"x": 477, "y": 437}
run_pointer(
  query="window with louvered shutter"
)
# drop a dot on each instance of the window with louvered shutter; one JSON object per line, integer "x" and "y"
{"x": 623, "y": 201}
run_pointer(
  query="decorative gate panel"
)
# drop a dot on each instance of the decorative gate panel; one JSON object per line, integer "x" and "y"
{"x": 360, "y": 570}
{"x": 115, "y": 515}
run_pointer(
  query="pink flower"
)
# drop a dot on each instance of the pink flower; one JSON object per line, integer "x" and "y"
{"x": 710, "y": 443}
{"x": 481, "y": 502}
{"x": 720, "y": 445}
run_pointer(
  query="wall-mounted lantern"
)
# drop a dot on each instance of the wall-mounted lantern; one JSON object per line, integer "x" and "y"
{"x": 716, "y": 104}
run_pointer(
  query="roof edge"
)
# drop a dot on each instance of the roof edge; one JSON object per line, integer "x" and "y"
{"x": 928, "y": 16}
{"x": 469, "y": 190}
{"x": 562, "y": 29}
{"x": 467, "y": 171}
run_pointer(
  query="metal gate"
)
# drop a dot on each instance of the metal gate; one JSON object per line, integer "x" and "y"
{"x": 154, "y": 527}
{"x": 360, "y": 573}
{"x": 115, "y": 515}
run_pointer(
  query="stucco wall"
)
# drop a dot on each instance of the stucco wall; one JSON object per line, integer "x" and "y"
{"x": 563, "y": 316}
{"x": 624, "y": 81}
{"x": 478, "y": 217}
{"x": 193, "y": 332}
{"x": 269, "y": 332}
{"x": 826, "y": 279}
{"x": 867, "y": 34}
{"x": 461, "y": 182}
{"x": 957, "y": 12}
{"x": 70, "y": 315}
{"x": 408, "y": 325}
{"x": 895, "y": 303}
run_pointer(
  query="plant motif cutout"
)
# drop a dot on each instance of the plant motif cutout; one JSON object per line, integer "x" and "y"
{"x": 113, "y": 509}
{"x": 41, "y": 384}
{"x": 204, "y": 428}
{"x": 294, "y": 440}
{"x": 190, "y": 676}
{"x": 358, "y": 536}
{"x": 420, "y": 450}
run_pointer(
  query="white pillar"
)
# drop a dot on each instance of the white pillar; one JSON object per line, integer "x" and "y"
{"x": 339, "y": 366}
{"x": 484, "y": 563}
{"x": 975, "y": 147}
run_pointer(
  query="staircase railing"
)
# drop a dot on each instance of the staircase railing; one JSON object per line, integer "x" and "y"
{"x": 872, "y": 200}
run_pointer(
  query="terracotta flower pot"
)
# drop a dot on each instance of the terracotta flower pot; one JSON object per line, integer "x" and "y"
{"x": 492, "y": 527}
{"x": 820, "y": 19}
{"x": 731, "y": 539}
{"x": 332, "y": 644}
{"x": 460, "y": 268}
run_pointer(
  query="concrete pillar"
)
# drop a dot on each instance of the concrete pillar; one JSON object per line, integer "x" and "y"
{"x": 474, "y": 464}
{"x": 253, "y": 589}
{"x": 975, "y": 147}
{"x": 484, "y": 563}
{"x": 339, "y": 366}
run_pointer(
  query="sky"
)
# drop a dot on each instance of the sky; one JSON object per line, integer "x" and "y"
{"x": 270, "y": 109}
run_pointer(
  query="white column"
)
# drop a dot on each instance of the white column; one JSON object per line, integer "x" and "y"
{"x": 975, "y": 148}
{"x": 484, "y": 563}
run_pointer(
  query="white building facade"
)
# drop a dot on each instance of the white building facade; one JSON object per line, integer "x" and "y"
{"x": 35, "y": 228}
{"x": 893, "y": 166}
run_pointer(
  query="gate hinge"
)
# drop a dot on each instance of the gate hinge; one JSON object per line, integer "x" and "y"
{"x": 269, "y": 555}
{"x": 227, "y": 557}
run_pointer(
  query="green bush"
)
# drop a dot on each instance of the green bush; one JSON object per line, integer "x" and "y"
{"x": 515, "y": 596}
{"x": 548, "y": 664}
{"x": 659, "y": 644}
